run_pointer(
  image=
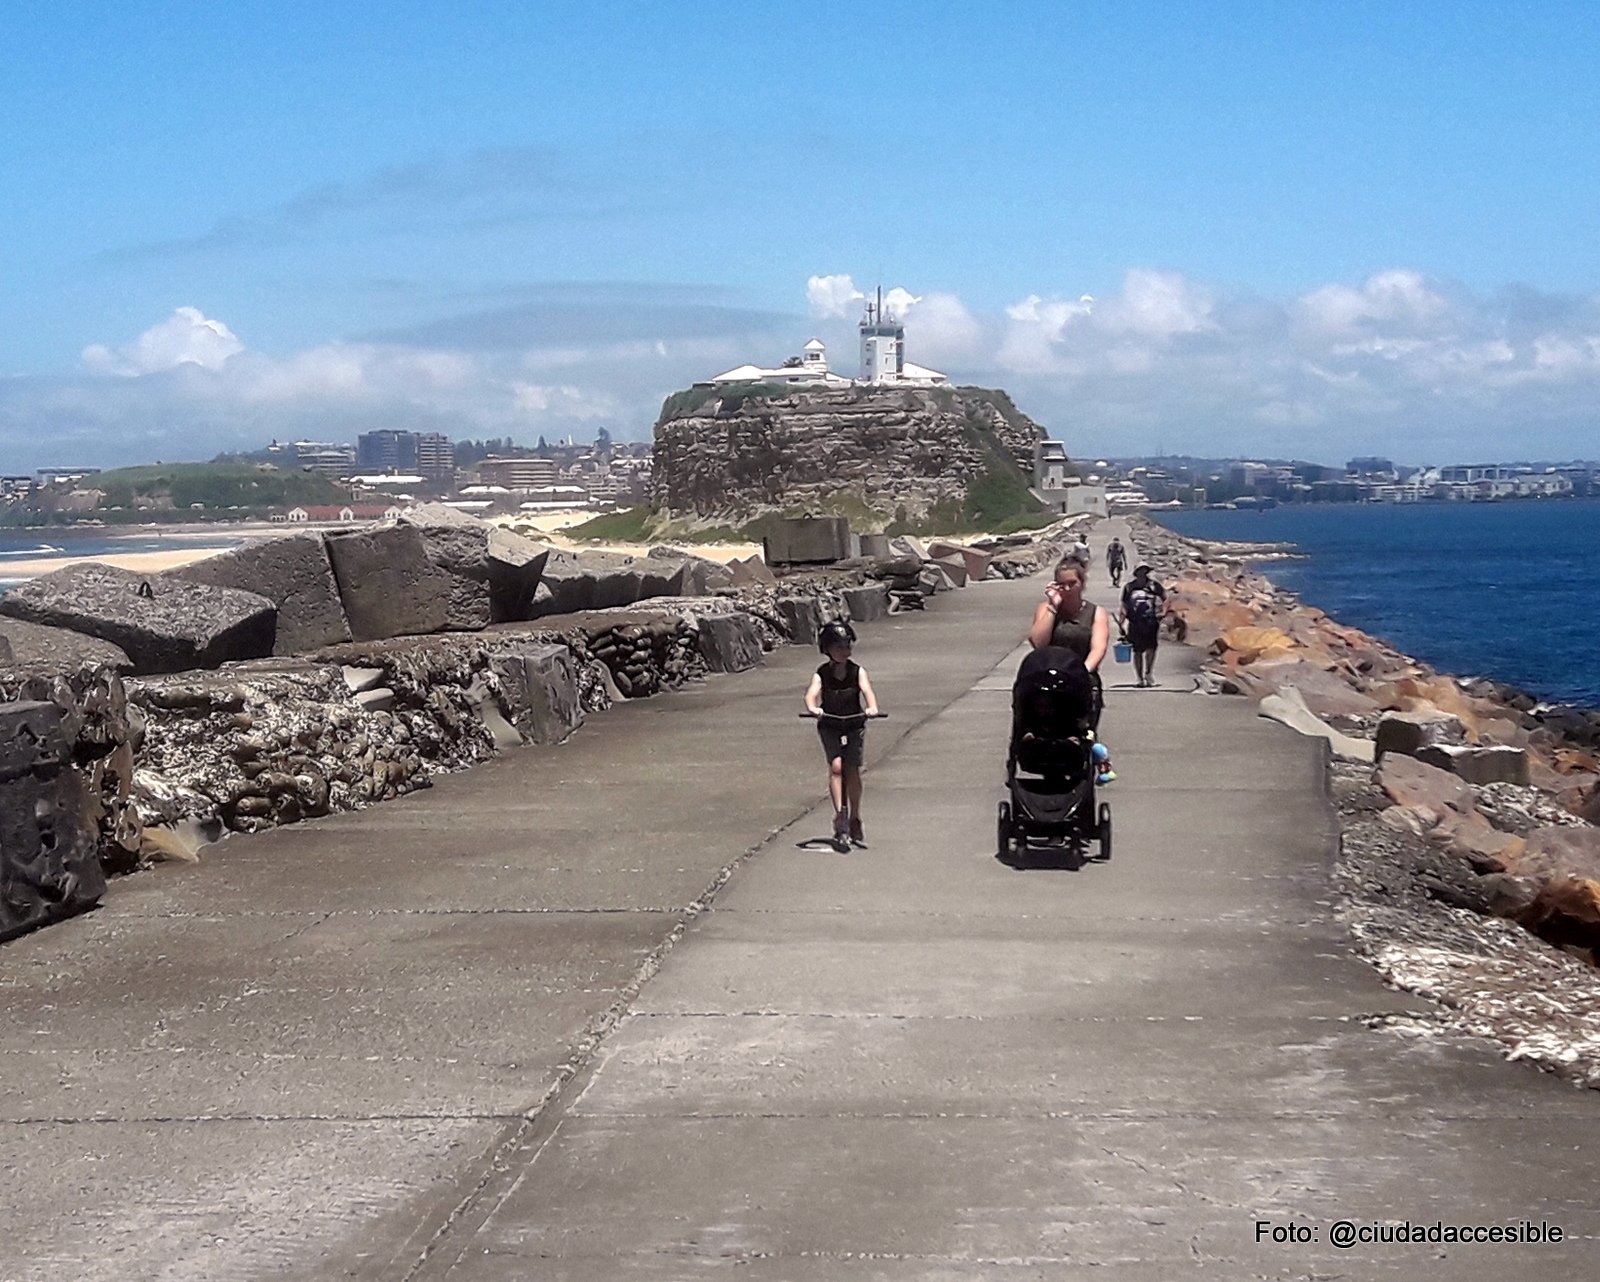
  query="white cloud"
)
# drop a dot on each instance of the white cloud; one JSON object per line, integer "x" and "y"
{"x": 1397, "y": 363}
{"x": 832, "y": 295}
{"x": 186, "y": 337}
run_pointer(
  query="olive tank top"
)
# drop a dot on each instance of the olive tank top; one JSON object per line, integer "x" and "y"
{"x": 1075, "y": 632}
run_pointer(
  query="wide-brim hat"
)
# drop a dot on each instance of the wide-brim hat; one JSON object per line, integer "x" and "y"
{"x": 1144, "y": 567}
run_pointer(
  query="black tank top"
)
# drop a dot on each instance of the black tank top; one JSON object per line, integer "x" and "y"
{"x": 841, "y": 696}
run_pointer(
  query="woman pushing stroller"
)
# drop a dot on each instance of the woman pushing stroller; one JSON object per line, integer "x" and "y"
{"x": 1064, "y": 619}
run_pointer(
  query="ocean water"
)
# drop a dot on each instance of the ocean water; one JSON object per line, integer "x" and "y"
{"x": 25, "y": 545}
{"x": 1502, "y": 590}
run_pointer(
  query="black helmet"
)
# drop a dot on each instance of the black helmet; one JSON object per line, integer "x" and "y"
{"x": 839, "y": 632}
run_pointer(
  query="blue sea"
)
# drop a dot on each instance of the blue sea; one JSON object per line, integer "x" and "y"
{"x": 1501, "y": 590}
{"x": 25, "y": 545}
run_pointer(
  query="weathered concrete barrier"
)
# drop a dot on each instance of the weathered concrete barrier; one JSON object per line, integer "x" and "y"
{"x": 388, "y": 583}
{"x": 292, "y": 572}
{"x": 49, "y": 860}
{"x": 163, "y": 625}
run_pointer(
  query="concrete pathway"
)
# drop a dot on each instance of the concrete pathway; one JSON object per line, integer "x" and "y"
{"x": 323, "y": 1054}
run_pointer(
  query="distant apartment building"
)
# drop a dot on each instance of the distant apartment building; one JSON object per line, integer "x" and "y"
{"x": 1371, "y": 466}
{"x": 64, "y": 475}
{"x": 386, "y": 451}
{"x": 517, "y": 473}
{"x": 324, "y": 458}
{"x": 436, "y": 456}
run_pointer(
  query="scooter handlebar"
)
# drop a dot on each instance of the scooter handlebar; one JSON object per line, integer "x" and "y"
{"x": 808, "y": 715}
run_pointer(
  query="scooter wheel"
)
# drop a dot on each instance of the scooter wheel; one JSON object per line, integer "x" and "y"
{"x": 1003, "y": 830}
{"x": 1104, "y": 830}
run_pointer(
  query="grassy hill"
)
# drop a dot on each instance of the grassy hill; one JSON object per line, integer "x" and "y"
{"x": 256, "y": 488}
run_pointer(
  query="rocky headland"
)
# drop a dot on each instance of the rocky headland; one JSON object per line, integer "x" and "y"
{"x": 1469, "y": 861}
{"x": 148, "y": 717}
{"x": 887, "y": 453}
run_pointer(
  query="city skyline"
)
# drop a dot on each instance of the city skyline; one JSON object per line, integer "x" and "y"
{"x": 1201, "y": 229}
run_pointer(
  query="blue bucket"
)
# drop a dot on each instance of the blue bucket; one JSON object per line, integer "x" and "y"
{"x": 1123, "y": 651}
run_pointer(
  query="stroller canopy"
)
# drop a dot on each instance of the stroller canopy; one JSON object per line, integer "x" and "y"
{"x": 1053, "y": 696}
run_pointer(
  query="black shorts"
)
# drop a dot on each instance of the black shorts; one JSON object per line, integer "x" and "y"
{"x": 1144, "y": 634}
{"x": 842, "y": 742}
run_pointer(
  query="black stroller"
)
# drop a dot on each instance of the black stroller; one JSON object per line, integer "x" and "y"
{"x": 1050, "y": 766}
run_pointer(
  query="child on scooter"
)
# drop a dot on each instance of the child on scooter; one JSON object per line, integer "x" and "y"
{"x": 839, "y": 689}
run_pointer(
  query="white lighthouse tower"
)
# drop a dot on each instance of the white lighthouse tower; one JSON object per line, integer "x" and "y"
{"x": 883, "y": 344}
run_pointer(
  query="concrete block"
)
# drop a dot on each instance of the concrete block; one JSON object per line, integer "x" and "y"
{"x": 162, "y": 624}
{"x": 294, "y": 573}
{"x": 1477, "y": 763}
{"x": 1406, "y": 732}
{"x": 976, "y": 562}
{"x": 36, "y": 645}
{"x": 388, "y": 584}
{"x": 808, "y": 540}
{"x": 954, "y": 569}
{"x": 801, "y": 618}
{"x": 729, "y": 642}
{"x": 49, "y": 856}
{"x": 541, "y": 682}
{"x": 874, "y": 545}
{"x": 867, "y": 604}
{"x": 905, "y": 545}
{"x": 751, "y": 572}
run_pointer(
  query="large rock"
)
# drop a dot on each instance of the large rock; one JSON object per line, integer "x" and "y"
{"x": 35, "y": 645}
{"x": 389, "y": 585}
{"x": 541, "y": 684}
{"x": 867, "y": 604}
{"x": 1418, "y": 786}
{"x": 696, "y": 575}
{"x": 1478, "y": 763}
{"x": 162, "y": 624}
{"x": 954, "y": 569}
{"x": 574, "y": 581}
{"x": 802, "y": 619}
{"x": 751, "y": 572}
{"x": 1406, "y": 732}
{"x": 458, "y": 545}
{"x": 49, "y": 864}
{"x": 1564, "y": 851}
{"x": 808, "y": 540}
{"x": 729, "y": 642}
{"x": 295, "y": 575}
{"x": 497, "y": 571}
{"x": 976, "y": 562}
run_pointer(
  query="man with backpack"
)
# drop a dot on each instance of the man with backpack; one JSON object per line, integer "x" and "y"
{"x": 1144, "y": 602}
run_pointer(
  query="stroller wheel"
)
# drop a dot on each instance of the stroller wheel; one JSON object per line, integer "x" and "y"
{"x": 1003, "y": 830}
{"x": 1103, "y": 831}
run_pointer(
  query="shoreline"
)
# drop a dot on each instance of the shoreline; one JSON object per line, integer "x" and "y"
{"x": 1250, "y": 553}
{"x": 1484, "y": 898}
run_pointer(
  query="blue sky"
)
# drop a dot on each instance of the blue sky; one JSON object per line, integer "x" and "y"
{"x": 1301, "y": 229}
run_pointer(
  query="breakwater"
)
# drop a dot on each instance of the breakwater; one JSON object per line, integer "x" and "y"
{"x": 293, "y": 678}
{"x": 1470, "y": 856}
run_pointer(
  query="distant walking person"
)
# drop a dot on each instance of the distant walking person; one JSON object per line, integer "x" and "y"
{"x": 1080, "y": 553}
{"x": 1116, "y": 562}
{"x": 1144, "y": 602}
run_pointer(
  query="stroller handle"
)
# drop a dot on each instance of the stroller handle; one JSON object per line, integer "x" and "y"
{"x": 852, "y": 716}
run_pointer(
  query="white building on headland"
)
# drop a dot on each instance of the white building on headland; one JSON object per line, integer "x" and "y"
{"x": 883, "y": 359}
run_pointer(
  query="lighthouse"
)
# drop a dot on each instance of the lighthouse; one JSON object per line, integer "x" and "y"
{"x": 883, "y": 344}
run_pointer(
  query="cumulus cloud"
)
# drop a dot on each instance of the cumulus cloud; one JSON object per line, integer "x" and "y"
{"x": 832, "y": 295}
{"x": 187, "y": 337}
{"x": 1398, "y": 363}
